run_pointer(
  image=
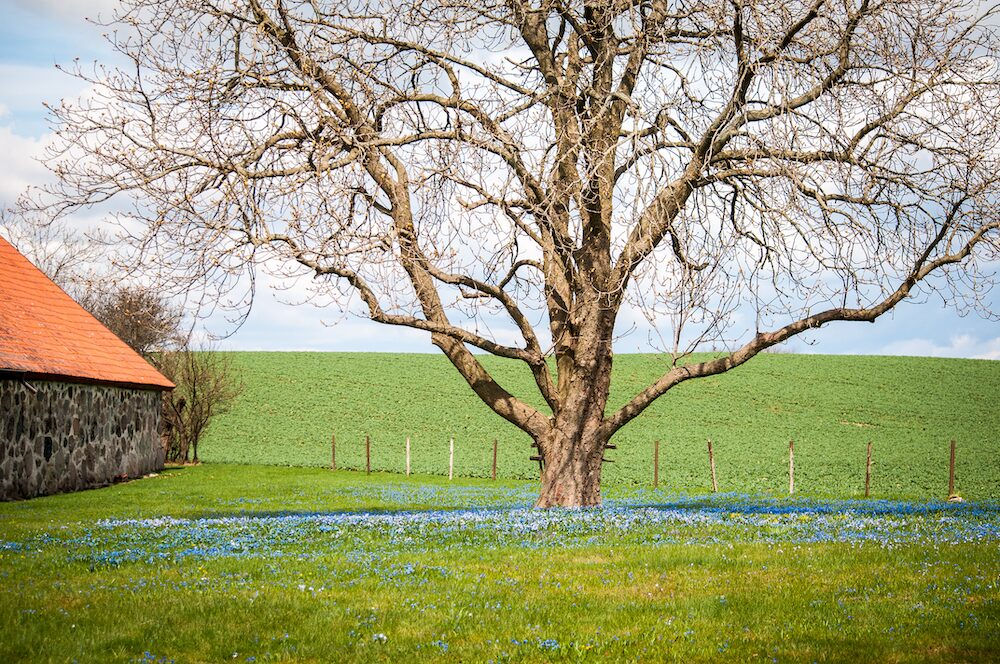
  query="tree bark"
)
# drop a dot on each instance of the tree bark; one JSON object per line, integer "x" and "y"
{"x": 572, "y": 448}
{"x": 571, "y": 476}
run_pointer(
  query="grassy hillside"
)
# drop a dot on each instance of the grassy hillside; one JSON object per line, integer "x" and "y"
{"x": 830, "y": 405}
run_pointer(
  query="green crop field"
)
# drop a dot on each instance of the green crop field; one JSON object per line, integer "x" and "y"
{"x": 909, "y": 408}
{"x": 260, "y": 564}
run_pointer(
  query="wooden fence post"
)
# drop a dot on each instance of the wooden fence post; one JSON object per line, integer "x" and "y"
{"x": 791, "y": 467}
{"x": 951, "y": 471}
{"x": 333, "y": 452}
{"x": 868, "y": 471}
{"x": 711, "y": 463}
{"x": 368, "y": 455}
{"x": 541, "y": 461}
{"x": 407, "y": 456}
{"x": 656, "y": 464}
{"x": 494, "y": 458}
{"x": 451, "y": 456}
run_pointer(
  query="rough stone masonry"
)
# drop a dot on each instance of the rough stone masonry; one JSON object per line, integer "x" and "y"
{"x": 67, "y": 436}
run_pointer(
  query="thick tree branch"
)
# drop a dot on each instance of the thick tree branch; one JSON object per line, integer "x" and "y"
{"x": 923, "y": 268}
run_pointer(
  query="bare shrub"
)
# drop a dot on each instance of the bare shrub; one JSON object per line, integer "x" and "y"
{"x": 206, "y": 386}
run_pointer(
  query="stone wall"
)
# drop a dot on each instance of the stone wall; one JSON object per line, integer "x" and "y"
{"x": 68, "y": 436}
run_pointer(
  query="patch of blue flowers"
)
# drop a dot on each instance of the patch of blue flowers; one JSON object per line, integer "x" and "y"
{"x": 636, "y": 518}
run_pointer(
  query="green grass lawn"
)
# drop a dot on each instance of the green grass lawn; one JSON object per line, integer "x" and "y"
{"x": 260, "y": 564}
{"x": 830, "y": 405}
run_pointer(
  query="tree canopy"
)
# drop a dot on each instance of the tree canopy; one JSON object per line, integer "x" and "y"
{"x": 508, "y": 176}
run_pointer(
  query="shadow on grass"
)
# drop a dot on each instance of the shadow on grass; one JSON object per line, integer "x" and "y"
{"x": 173, "y": 471}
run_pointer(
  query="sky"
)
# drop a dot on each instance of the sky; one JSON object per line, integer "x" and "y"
{"x": 35, "y": 35}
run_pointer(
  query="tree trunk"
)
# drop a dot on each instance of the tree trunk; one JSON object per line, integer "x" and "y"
{"x": 573, "y": 447}
{"x": 572, "y": 473}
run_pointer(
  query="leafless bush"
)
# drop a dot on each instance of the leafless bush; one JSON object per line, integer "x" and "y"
{"x": 206, "y": 386}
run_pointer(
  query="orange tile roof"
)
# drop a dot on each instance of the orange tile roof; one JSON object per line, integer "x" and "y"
{"x": 44, "y": 334}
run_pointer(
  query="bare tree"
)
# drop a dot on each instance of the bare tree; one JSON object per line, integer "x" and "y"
{"x": 205, "y": 387}
{"x": 139, "y": 316}
{"x": 508, "y": 176}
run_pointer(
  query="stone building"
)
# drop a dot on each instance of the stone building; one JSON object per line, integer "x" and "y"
{"x": 78, "y": 407}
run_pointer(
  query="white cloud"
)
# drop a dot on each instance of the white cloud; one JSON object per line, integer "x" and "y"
{"x": 23, "y": 131}
{"x": 963, "y": 345}
{"x": 275, "y": 325}
{"x": 19, "y": 164}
